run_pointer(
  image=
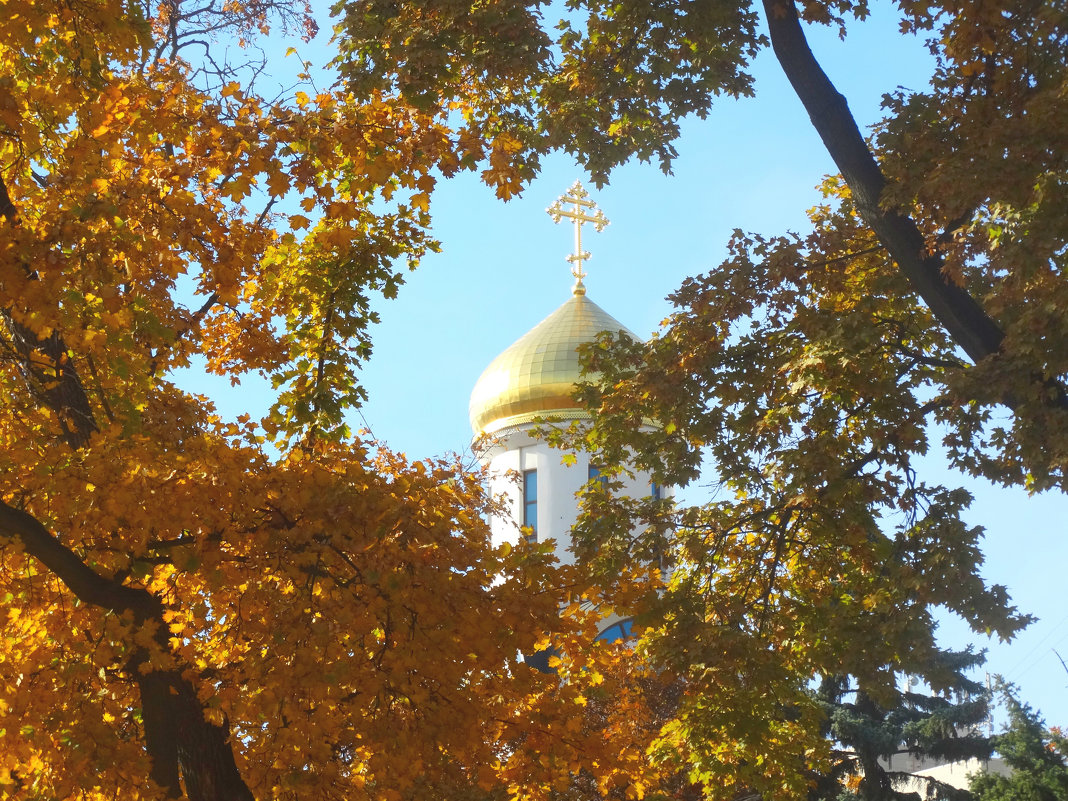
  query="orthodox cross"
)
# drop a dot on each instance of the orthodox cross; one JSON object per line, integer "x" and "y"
{"x": 583, "y": 211}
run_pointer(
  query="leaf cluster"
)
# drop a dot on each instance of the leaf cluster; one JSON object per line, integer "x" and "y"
{"x": 607, "y": 81}
{"x": 241, "y": 609}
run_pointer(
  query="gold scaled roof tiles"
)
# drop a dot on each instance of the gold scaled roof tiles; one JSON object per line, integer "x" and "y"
{"x": 537, "y": 374}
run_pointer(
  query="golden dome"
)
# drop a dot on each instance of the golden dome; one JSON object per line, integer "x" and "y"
{"x": 537, "y": 374}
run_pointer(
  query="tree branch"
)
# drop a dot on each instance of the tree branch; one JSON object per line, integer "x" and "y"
{"x": 62, "y": 391}
{"x": 965, "y": 320}
{"x": 88, "y": 585}
{"x": 55, "y": 382}
{"x": 178, "y": 739}
{"x": 194, "y": 320}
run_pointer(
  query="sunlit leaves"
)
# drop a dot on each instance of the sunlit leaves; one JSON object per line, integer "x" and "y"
{"x": 608, "y": 81}
{"x": 336, "y": 612}
{"x": 804, "y": 374}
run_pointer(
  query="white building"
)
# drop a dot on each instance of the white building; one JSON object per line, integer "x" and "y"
{"x": 529, "y": 385}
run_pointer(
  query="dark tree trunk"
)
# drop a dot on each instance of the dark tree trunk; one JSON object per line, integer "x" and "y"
{"x": 965, "y": 320}
{"x": 184, "y": 747}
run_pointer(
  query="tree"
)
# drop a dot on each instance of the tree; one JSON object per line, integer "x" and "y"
{"x": 213, "y": 609}
{"x": 810, "y": 372}
{"x": 616, "y": 77}
{"x": 158, "y": 207}
{"x": 1037, "y": 756}
{"x": 872, "y": 737}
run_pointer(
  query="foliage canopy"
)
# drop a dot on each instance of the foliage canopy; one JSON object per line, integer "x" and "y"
{"x": 240, "y": 609}
{"x": 810, "y": 371}
{"x": 267, "y": 636}
{"x": 1037, "y": 756}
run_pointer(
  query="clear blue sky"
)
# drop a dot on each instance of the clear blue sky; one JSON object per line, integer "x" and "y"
{"x": 753, "y": 165}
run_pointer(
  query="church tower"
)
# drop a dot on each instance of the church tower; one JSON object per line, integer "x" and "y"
{"x": 533, "y": 380}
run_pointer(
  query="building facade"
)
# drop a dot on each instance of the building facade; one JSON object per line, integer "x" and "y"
{"x": 529, "y": 386}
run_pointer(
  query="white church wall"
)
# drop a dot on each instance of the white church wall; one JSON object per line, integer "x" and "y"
{"x": 516, "y": 451}
{"x": 955, "y": 774}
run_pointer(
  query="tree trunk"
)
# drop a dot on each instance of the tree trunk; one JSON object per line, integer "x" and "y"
{"x": 965, "y": 320}
{"x": 185, "y": 748}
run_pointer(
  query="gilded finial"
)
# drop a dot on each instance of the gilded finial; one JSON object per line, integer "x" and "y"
{"x": 583, "y": 211}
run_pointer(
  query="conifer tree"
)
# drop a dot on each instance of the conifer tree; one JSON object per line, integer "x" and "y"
{"x": 1037, "y": 756}
{"x": 874, "y": 735}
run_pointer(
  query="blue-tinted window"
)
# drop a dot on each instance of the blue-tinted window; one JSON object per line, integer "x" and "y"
{"x": 530, "y": 503}
{"x": 594, "y": 472}
{"x": 617, "y": 631}
{"x": 654, "y": 490}
{"x": 539, "y": 660}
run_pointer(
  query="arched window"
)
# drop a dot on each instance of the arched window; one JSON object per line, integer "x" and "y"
{"x": 594, "y": 472}
{"x": 620, "y": 630}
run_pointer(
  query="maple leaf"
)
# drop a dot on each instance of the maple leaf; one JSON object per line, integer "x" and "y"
{"x": 256, "y": 600}
{"x": 235, "y": 609}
